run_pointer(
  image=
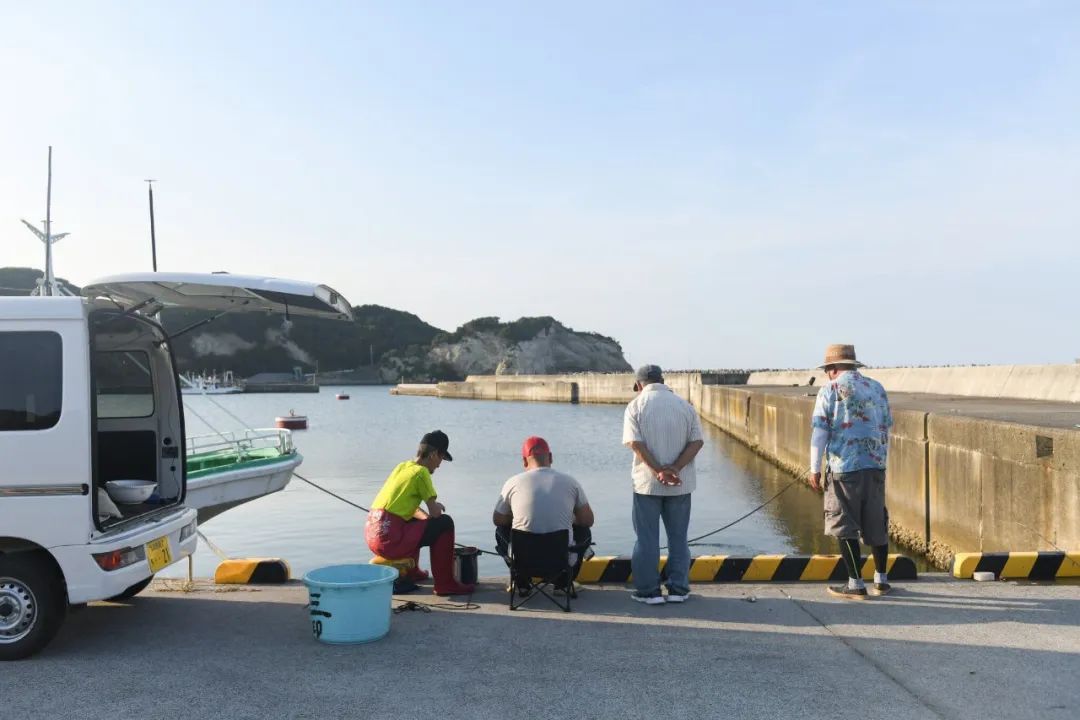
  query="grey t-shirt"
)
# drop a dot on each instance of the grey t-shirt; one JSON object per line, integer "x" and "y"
{"x": 542, "y": 501}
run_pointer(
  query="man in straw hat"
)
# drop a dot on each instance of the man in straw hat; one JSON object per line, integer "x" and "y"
{"x": 851, "y": 433}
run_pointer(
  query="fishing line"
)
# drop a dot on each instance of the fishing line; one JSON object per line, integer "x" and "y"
{"x": 736, "y": 521}
{"x": 361, "y": 507}
{"x": 1042, "y": 537}
{"x": 329, "y": 492}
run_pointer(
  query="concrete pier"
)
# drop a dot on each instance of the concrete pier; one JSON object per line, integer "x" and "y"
{"x": 935, "y": 649}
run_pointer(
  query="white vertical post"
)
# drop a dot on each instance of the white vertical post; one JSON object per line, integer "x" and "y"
{"x": 50, "y": 284}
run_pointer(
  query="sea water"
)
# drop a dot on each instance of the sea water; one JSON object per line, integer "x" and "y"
{"x": 351, "y": 446}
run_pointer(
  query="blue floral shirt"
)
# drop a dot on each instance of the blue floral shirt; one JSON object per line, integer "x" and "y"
{"x": 854, "y": 409}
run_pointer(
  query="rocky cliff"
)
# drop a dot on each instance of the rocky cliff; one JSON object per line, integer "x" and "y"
{"x": 528, "y": 346}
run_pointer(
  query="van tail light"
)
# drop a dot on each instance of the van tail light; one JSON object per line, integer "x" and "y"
{"x": 187, "y": 531}
{"x": 116, "y": 559}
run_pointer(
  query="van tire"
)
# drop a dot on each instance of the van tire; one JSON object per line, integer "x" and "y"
{"x": 30, "y": 589}
{"x": 133, "y": 590}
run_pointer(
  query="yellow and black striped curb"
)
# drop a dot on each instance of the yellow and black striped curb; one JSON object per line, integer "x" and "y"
{"x": 756, "y": 568}
{"x": 1029, "y": 565}
{"x": 244, "y": 571}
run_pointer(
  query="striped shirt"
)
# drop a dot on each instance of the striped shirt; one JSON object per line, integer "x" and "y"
{"x": 665, "y": 423}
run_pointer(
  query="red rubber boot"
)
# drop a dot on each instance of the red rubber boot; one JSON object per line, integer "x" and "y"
{"x": 442, "y": 567}
{"x": 417, "y": 573}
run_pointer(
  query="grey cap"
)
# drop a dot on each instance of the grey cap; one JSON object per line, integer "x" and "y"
{"x": 649, "y": 373}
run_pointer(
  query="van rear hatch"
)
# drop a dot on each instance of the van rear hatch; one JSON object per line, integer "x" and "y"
{"x": 220, "y": 292}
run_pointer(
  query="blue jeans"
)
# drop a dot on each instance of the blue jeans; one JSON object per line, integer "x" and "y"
{"x": 675, "y": 510}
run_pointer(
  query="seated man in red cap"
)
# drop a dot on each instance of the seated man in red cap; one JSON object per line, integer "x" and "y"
{"x": 543, "y": 500}
{"x": 398, "y": 528}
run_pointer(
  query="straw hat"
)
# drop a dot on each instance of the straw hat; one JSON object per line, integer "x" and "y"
{"x": 840, "y": 355}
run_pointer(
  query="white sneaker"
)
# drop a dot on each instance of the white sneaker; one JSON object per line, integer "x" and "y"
{"x": 672, "y": 597}
{"x": 648, "y": 599}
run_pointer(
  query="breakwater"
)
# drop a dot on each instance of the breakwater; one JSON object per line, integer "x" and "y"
{"x": 965, "y": 474}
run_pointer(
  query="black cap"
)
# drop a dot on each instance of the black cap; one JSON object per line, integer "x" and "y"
{"x": 438, "y": 440}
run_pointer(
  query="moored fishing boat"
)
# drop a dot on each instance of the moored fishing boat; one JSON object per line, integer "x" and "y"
{"x": 210, "y": 384}
{"x": 228, "y": 469}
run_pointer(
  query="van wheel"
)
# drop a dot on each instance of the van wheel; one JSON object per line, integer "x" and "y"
{"x": 32, "y": 605}
{"x": 133, "y": 590}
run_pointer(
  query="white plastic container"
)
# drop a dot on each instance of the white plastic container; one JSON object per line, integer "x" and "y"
{"x": 130, "y": 492}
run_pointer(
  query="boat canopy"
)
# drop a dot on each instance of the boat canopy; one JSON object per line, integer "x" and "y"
{"x": 150, "y": 292}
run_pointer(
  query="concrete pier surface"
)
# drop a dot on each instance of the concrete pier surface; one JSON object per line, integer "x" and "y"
{"x": 937, "y": 648}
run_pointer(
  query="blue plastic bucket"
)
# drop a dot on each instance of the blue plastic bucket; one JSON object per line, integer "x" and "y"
{"x": 350, "y": 603}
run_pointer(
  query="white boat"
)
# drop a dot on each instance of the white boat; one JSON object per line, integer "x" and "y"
{"x": 210, "y": 384}
{"x": 227, "y": 469}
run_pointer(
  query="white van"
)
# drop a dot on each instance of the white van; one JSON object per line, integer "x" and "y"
{"x": 90, "y": 401}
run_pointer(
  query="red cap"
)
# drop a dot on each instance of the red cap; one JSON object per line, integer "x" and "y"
{"x": 535, "y": 445}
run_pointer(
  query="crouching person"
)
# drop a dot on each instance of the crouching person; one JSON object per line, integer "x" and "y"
{"x": 542, "y": 500}
{"x": 398, "y": 528}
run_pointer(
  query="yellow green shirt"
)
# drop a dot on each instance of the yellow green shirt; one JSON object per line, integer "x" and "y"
{"x": 408, "y": 485}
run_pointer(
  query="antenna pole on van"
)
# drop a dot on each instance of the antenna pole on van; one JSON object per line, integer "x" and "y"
{"x": 153, "y": 239}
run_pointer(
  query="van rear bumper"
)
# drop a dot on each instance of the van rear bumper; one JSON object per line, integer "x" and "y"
{"x": 87, "y": 582}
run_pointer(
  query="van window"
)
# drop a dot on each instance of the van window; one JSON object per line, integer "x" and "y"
{"x": 125, "y": 387}
{"x": 31, "y": 380}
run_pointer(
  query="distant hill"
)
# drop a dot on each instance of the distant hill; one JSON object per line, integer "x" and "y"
{"x": 247, "y": 343}
{"x": 387, "y": 344}
{"x": 20, "y": 281}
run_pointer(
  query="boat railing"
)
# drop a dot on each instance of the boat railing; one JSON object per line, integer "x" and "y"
{"x": 240, "y": 442}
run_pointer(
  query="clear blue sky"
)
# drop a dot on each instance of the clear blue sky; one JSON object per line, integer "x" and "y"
{"x": 714, "y": 184}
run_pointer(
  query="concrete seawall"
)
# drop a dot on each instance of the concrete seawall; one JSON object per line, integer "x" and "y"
{"x": 578, "y": 387}
{"x": 965, "y": 474}
{"x": 1057, "y": 383}
{"x": 955, "y": 483}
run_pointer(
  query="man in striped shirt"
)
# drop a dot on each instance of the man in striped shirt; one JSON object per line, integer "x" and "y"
{"x": 664, "y": 432}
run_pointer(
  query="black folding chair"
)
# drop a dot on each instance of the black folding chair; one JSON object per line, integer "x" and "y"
{"x": 539, "y": 562}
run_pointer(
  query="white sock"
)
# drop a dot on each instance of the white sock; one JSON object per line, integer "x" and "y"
{"x": 881, "y": 578}
{"x": 856, "y": 583}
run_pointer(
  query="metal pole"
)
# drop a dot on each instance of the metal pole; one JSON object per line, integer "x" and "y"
{"x": 153, "y": 238}
{"x": 48, "y": 288}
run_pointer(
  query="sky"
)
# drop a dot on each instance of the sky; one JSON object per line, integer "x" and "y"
{"x": 714, "y": 184}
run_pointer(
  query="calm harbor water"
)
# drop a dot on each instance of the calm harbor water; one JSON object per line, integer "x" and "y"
{"x": 351, "y": 446}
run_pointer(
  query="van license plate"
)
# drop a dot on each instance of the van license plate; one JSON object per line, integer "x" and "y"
{"x": 157, "y": 553}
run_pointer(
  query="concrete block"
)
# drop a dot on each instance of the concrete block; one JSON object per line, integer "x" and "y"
{"x": 536, "y": 391}
{"x": 997, "y": 486}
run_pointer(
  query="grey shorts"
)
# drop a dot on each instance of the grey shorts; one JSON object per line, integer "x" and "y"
{"x": 855, "y": 506}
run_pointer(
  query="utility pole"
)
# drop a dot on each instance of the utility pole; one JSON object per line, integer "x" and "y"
{"x": 153, "y": 239}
